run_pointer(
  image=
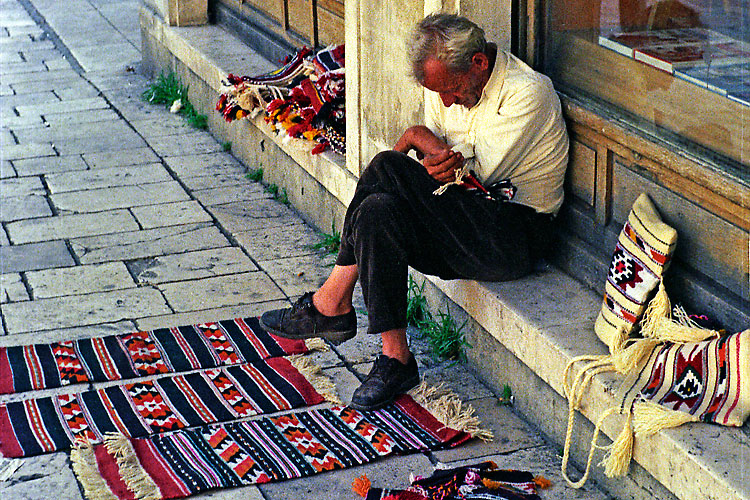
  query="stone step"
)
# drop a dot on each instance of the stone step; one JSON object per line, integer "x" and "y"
{"x": 547, "y": 319}
{"x": 523, "y": 332}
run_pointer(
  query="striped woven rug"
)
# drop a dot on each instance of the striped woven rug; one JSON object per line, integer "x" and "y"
{"x": 133, "y": 355}
{"x": 291, "y": 445}
{"x": 146, "y": 407}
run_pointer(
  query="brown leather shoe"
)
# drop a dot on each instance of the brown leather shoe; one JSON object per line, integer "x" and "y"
{"x": 388, "y": 378}
{"x": 303, "y": 321}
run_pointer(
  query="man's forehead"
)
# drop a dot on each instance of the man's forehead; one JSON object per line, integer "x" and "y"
{"x": 438, "y": 76}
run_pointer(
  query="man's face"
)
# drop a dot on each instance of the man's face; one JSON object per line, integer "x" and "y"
{"x": 464, "y": 89}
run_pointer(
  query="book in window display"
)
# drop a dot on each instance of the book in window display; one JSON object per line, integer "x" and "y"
{"x": 673, "y": 57}
{"x": 717, "y": 77}
{"x": 627, "y": 42}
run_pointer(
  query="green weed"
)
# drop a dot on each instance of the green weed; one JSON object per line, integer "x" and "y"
{"x": 279, "y": 195}
{"x": 168, "y": 88}
{"x": 255, "y": 175}
{"x": 226, "y": 146}
{"x": 329, "y": 242}
{"x": 445, "y": 337}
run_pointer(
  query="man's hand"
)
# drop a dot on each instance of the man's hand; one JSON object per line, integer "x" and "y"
{"x": 442, "y": 166}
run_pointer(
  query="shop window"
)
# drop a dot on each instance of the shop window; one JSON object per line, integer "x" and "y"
{"x": 676, "y": 66}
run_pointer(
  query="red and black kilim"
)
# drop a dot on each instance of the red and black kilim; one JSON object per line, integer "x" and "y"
{"x": 288, "y": 446}
{"x": 168, "y": 403}
{"x": 133, "y": 355}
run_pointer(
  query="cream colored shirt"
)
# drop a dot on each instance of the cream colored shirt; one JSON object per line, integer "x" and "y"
{"x": 515, "y": 131}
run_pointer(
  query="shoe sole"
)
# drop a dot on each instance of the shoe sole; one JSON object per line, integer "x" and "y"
{"x": 405, "y": 387}
{"x": 335, "y": 338}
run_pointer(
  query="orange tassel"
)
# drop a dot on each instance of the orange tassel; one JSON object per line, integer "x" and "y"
{"x": 542, "y": 482}
{"x": 361, "y": 485}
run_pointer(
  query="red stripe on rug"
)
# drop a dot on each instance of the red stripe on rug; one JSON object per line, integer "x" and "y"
{"x": 429, "y": 423}
{"x": 291, "y": 346}
{"x": 6, "y": 373}
{"x": 152, "y": 464}
{"x": 9, "y": 446}
{"x": 110, "y": 472}
{"x": 284, "y": 368}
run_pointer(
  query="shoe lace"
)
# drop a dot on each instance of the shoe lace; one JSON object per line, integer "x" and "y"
{"x": 380, "y": 367}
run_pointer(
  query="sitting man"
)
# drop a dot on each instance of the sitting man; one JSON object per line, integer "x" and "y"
{"x": 491, "y": 119}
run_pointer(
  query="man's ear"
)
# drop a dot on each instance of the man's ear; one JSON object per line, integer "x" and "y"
{"x": 481, "y": 61}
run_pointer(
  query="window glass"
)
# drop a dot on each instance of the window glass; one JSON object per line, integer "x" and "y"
{"x": 682, "y": 66}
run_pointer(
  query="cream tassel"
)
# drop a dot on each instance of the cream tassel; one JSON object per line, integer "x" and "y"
{"x": 316, "y": 344}
{"x": 650, "y": 418}
{"x": 314, "y": 374}
{"x": 447, "y": 407}
{"x": 132, "y": 473}
{"x": 628, "y": 358}
{"x": 86, "y": 470}
{"x": 657, "y": 308}
{"x": 617, "y": 459}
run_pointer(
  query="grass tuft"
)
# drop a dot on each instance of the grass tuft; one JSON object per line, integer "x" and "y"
{"x": 445, "y": 337}
{"x": 168, "y": 88}
{"x": 255, "y": 175}
{"x": 329, "y": 242}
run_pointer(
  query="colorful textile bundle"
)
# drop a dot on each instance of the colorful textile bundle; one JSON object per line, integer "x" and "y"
{"x": 138, "y": 354}
{"x": 48, "y": 424}
{"x": 481, "y": 481}
{"x": 275, "y": 448}
{"x": 304, "y": 99}
{"x": 676, "y": 370}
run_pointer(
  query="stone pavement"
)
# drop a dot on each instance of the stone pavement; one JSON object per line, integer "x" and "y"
{"x": 117, "y": 216}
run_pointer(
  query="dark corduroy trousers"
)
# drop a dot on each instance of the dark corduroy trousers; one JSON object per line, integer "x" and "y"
{"x": 395, "y": 221}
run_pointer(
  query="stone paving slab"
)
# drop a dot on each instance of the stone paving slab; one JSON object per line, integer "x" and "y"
{"x": 81, "y": 310}
{"x": 15, "y": 208}
{"x": 71, "y": 226}
{"x": 60, "y": 74}
{"x": 24, "y": 99}
{"x": 170, "y": 214}
{"x": 204, "y": 164}
{"x": 22, "y": 187}
{"x": 242, "y": 217}
{"x": 163, "y": 126}
{"x": 230, "y": 290}
{"x": 49, "y": 165}
{"x": 12, "y": 288}
{"x": 63, "y": 106}
{"x": 98, "y": 143}
{"x": 250, "y": 191}
{"x": 297, "y": 275}
{"x": 107, "y": 177}
{"x": 34, "y": 256}
{"x": 77, "y": 117}
{"x": 80, "y": 280}
{"x": 213, "y": 314}
{"x": 147, "y": 243}
{"x": 192, "y": 265}
{"x": 46, "y": 476}
{"x": 72, "y": 333}
{"x": 217, "y": 180}
{"x": 13, "y": 122}
{"x": 29, "y": 150}
{"x": 271, "y": 243}
{"x": 120, "y": 157}
{"x": 119, "y": 129}
{"x": 192, "y": 143}
{"x": 115, "y": 197}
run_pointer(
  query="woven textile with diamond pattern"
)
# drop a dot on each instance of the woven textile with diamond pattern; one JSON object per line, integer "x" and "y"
{"x": 275, "y": 448}
{"x": 133, "y": 355}
{"x": 47, "y": 424}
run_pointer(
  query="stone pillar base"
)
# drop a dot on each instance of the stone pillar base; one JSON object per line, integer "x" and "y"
{"x": 187, "y": 12}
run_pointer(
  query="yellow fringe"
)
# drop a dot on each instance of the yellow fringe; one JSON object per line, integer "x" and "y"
{"x": 316, "y": 345}
{"x": 657, "y": 308}
{"x": 650, "y": 418}
{"x": 448, "y": 408}
{"x": 617, "y": 459}
{"x": 131, "y": 472}
{"x": 86, "y": 470}
{"x": 629, "y": 358}
{"x": 314, "y": 374}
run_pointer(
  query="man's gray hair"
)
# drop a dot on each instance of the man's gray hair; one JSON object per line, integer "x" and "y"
{"x": 448, "y": 38}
